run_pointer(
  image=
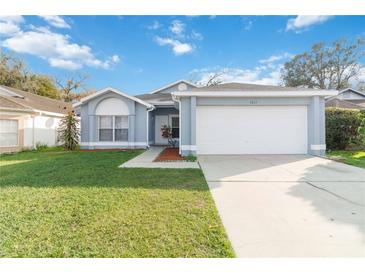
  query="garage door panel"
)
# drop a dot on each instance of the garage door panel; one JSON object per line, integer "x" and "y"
{"x": 251, "y": 130}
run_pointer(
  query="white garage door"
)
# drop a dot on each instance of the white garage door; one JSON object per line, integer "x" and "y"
{"x": 251, "y": 129}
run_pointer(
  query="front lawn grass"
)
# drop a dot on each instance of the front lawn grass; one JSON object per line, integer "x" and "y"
{"x": 80, "y": 204}
{"x": 355, "y": 158}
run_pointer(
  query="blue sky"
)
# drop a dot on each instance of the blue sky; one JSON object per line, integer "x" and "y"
{"x": 140, "y": 53}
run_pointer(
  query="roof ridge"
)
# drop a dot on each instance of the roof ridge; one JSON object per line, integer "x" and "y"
{"x": 15, "y": 90}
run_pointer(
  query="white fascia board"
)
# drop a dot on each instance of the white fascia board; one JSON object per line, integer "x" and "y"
{"x": 156, "y": 103}
{"x": 173, "y": 84}
{"x": 255, "y": 93}
{"x": 32, "y": 111}
{"x": 16, "y": 110}
{"x": 11, "y": 93}
{"x": 105, "y": 90}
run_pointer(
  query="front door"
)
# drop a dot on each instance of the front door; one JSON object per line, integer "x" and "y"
{"x": 160, "y": 120}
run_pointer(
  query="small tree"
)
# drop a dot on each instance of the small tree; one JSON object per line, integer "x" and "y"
{"x": 69, "y": 133}
{"x": 166, "y": 132}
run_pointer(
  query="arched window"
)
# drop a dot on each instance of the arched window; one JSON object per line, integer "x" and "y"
{"x": 113, "y": 121}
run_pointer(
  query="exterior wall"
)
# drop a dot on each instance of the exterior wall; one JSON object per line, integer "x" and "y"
{"x": 45, "y": 130}
{"x": 33, "y": 129}
{"x": 137, "y": 119}
{"x": 315, "y": 107}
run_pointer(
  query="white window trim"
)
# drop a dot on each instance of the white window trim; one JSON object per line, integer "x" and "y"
{"x": 113, "y": 128}
{"x": 18, "y": 135}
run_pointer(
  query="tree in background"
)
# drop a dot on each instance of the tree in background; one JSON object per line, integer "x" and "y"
{"x": 69, "y": 132}
{"x": 70, "y": 89}
{"x": 325, "y": 67}
{"x": 14, "y": 73}
{"x": 213, "y": 79}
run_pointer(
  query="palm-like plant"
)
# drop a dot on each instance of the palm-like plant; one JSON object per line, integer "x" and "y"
{"x": 69, "y": 132}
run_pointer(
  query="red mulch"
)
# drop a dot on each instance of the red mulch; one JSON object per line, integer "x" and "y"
{"x": 169, "y": 154}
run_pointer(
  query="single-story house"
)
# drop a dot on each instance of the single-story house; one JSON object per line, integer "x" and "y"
{"x": 347, "y": 98}
{"x": 231, "y": 118}
{"x": 27, "y": 119}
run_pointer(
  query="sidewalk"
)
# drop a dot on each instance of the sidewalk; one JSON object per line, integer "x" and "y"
{"x": 145, "y": 160}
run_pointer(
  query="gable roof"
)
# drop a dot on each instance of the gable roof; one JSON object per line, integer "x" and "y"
{"x": 171, "y": 85}
{"x": 157, "y": 98}
{"x": 108, "y": 89}
{"x": 338, "y": 103}
{"x": 353, "y": 90}
{"x": 33, "y": 102}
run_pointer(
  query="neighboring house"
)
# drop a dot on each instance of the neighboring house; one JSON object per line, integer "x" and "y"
{"x": 27, "y": 119}
{"x": 347, "y": 98}
{"x": 228, "y": 118}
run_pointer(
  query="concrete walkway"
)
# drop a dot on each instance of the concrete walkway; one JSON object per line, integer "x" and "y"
{"x": 288, "y": 205}
{"x": 145, "y": 160}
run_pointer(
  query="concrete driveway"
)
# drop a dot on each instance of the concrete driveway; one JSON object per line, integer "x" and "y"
{"x": 288, "y": 205}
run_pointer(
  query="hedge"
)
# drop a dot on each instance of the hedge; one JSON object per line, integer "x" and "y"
{"x": 344, "y": 127}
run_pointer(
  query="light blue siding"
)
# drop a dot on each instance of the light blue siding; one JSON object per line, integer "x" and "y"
{"x": 137, "y": 119}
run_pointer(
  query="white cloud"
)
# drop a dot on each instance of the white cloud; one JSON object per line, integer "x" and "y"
{"x": 196, "y": 35}
{"x": 115, "y": 58}
{"x": 267, "y": 74}
{"x": 57, "y": 49}
{"x": 56, "y": 21}
{"x": 16, "y": 19}
{"x": 275, "y": 58}
{"x": 250, "y": 76}
{"x": 155, "y": 25}
{"x": 8, "y": 28}
{"x": 9, "y": 25}
{"x": 65, "y": 64}
{"x": 177, "y": 27}
{"x": 179, "y": 48}
{"x": 302, "y": 22}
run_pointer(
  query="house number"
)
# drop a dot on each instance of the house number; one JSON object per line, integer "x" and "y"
{"x": 253, "y": 102}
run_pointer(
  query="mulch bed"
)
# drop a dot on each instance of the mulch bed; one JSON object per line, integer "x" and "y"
{"x": 169, "y": 154}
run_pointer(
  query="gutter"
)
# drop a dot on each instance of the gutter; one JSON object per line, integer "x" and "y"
{"x": 34, "y": 111}
{"x": 273, "y": 93}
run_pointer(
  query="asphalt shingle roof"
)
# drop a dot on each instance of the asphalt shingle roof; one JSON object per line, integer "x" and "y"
{"x": 34, "y": 101}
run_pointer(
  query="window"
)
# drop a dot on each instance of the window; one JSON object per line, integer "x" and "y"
{"x": 106, "y": 128}
{"x": 175, "y": 127}
{"x": 113, "y": 128}
{"x": 121, "y": 128}
{"x": 8, "y": 133}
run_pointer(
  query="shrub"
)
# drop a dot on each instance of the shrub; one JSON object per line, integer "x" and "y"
{"x": 69, "y": 133}
{"x": 41, "y": 146}
{"x": 343, "y": 127}
{"x": 190, "y": 158}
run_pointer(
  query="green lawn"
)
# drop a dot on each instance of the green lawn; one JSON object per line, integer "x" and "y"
{"x": 355, "y": 158}
{"x": 80, "y": 204}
